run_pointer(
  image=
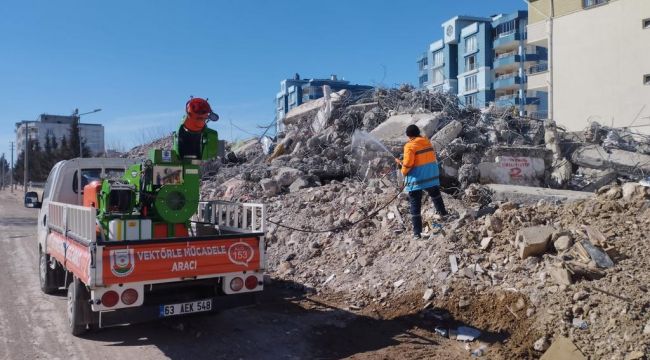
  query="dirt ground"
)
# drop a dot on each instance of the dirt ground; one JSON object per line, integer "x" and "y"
{"x": 290, "y": 321}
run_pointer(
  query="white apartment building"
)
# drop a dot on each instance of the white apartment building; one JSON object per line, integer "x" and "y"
{"x": 599, "y": 61}
{"x": 58, "y": 126}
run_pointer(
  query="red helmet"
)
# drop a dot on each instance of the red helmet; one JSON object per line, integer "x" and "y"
{"x": 198, "y": 106}
{"x": 198, "y": 113}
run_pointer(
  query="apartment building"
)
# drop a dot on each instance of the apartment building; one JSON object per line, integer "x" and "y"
{"x": 58, "y": 126}
{"x": 483, "y": 61}
{"x": 599, "y": 61}
{"x": 295, "y": 92}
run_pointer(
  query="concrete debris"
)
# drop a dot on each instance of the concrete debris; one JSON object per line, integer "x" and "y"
{"x": 563, "y": 243}
{"x": 563, "y": 349}
{"x": 533, "y": 241}
{"x": 453, "y": 263}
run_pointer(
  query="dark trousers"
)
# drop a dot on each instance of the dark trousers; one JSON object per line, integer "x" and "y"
{"x": 415, "y": 202}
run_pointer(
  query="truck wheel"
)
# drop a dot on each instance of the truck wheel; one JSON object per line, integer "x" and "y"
{"x": 47, "y": 276}
{"x": 76, "y": 304}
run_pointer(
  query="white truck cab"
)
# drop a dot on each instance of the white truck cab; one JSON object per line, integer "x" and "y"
{"x": 67, "y": 179}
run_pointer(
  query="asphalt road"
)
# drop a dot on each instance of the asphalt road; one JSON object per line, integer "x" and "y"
{"x": 286, "y": 325}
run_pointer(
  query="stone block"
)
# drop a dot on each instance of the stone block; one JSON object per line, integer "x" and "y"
{"x": 300, "y": 183}
{"x": 270, "y": 187}
{"x": 445, "y": 135}
{"x": 286, "y": 176}
{"x": 533, "y": 241}
{"x": 392, "y": 130}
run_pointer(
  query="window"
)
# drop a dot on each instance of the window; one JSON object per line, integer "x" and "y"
{"x": 470, "y": 63}
{"x": 471, "y": 43}
{"x": 438, "y": 76}
{"x": 87, "y": 176}
{"x": 505, "y": 29}
{"x": 646, "y": 23}
{"x": 591, "y": 3}
{"x": 646, "y": 79}
{"x": 438, "y": 58}
{"x": 423, "y": 79}
{"x": 471, "y": 83}
{"x": 471, "y": 100}
{"x": 422, "y": 64}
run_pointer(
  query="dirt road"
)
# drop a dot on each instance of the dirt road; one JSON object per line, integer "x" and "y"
{"x": 286, "y": 325}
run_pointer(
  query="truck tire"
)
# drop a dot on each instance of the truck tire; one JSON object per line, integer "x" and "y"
{"x": 76, "y": 303}
{"x": 46, "y": 275}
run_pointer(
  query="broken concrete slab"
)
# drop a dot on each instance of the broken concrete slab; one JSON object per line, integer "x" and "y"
{"x": 624, "y": 162}
{"x": 632, "y": 191}
{"x": 594, "y": 179}
{"x": 526, "y": 194}
{"x": 445, "y": 135}
{"x": 560, "y": 275}
{"x": 300, "y": 183}
{"x": 563, "y": 349}
{"x": 453, "y": 263}
{"x": 308, "y": 110}
{"x": 392, "y": 130}
{"x": 270, "y": 187}
{"x": 515, "y": 166}
{"x": 533, "y": 241}
{"x": 285, "y": 176}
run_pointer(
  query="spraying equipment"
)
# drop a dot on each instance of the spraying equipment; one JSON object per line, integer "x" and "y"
{"x": 157, "y": 198}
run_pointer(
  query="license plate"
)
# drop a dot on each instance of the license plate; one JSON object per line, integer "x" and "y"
{"x": 185, "y": 308}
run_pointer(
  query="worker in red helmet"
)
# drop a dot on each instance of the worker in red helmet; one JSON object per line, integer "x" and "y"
{"x": 198, "y": 112}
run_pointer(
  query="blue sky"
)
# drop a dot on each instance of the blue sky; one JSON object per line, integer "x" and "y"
{"x": 139, "y": 61}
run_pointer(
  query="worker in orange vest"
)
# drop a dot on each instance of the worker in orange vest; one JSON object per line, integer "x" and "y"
{"x": 421, "y": 173}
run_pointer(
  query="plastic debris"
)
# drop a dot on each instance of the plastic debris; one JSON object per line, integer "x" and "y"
{"x": 466, "y": 333}
{"x": 580, "y": 324}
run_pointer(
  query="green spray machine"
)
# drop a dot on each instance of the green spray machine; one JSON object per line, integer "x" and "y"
{"x": 157, "y": 198}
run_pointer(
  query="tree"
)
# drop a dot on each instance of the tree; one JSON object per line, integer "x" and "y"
{"x": 76, "y": 139}
{"x": 5, "y": 172}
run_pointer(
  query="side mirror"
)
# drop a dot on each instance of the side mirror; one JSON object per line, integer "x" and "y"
{"x": 31, "y": 200}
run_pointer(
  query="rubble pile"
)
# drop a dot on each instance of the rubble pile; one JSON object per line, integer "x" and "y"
{"x": 580, "y": 269}
{"x": 572, "y": 266}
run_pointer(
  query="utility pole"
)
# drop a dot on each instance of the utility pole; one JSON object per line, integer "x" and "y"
{"x": 26, "y": 150}
{"x": 2, "y": 171}
{"x": 11, "y": 176}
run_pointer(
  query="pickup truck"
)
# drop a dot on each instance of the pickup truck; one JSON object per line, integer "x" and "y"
{"x": 217, "y": 263}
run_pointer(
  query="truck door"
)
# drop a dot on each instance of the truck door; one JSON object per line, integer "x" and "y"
{"x": 41, "y": 225}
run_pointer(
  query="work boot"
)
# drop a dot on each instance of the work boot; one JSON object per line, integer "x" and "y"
{"x": 417, "y": 237}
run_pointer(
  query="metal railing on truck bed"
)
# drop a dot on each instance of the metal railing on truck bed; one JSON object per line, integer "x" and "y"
{"x": 76, "y": 222}
{"x": 231, "y": 216}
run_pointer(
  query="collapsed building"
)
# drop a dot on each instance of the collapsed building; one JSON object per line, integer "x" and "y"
{"x": 549, "y": 240}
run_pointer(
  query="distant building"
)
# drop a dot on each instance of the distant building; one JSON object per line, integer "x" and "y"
{"x": 484, "y": 60}
{"x": 600, "y": 64}
{"x": 58, "y": 126}
{"x": 295, "y": 92}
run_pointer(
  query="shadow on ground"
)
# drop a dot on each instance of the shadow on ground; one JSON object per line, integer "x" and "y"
{"x": 287, "y": 324}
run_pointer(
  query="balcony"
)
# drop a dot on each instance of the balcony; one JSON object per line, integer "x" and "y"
{"x": 538, "y": 77}
{"x": 538, "y": 34}
{"x": 507, "y": 40}
{"x": 514, "y": 100}
{"x": 508, "y": 81}
{"x": 511, "y": 60}
{"x": 539, "y": 115}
